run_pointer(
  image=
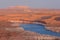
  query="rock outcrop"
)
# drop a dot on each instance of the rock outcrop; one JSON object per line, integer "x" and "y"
{"x": 8, "y": 32}
{"x": 50, "y": 17}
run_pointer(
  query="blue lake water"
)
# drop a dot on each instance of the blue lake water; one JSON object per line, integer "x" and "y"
{"x": 39, "y": 29}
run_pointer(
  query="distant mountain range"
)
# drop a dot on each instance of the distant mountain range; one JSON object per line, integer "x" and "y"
{"x": 25, "y": 9}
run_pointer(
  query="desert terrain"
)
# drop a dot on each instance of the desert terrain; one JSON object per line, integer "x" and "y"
{"x": 48, "y": 17}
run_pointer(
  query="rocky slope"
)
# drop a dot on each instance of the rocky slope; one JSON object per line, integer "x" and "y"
{"x": 49, "y": 17}
{"x": 9, "y": 32}
{"x": 51, "y": 21}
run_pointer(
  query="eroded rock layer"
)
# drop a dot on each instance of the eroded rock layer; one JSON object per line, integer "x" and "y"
{"x": 17, "y": 33}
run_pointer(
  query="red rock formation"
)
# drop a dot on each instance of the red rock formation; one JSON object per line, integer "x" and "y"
{"x": 16, "y": 33}
{"x": 47, "y": 15}
{"x": 23, "y": 7}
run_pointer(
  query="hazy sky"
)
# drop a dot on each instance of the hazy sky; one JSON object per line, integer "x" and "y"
{"x": 31, "y": 3}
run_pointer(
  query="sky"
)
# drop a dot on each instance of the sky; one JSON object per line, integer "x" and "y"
{"x": 31, "y": 3}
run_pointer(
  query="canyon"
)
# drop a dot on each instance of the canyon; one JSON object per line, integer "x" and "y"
{"x": 23, "y": 14}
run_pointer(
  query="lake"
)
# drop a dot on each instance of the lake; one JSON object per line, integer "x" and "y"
{"x": 39, "y": 28}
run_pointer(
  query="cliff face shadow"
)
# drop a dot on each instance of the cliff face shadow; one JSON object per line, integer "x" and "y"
{"x": 57, "y": 19}
{"x": 40, "y": 21}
